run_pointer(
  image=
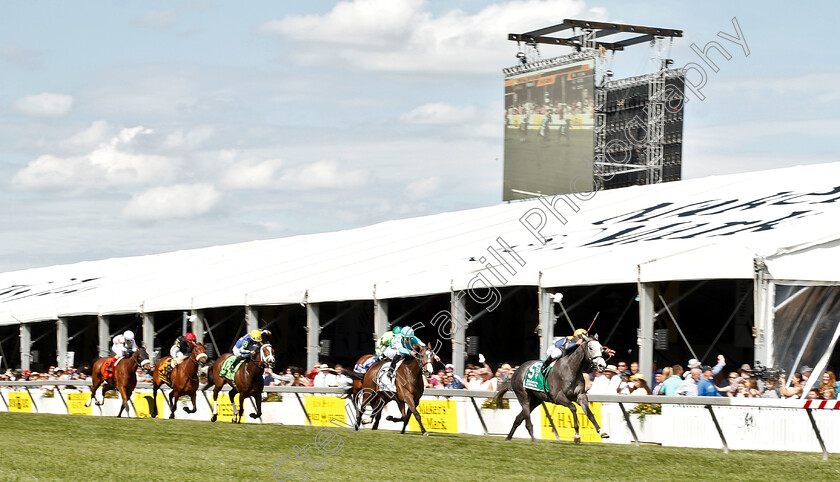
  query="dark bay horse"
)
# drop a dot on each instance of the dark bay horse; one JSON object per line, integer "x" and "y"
{"x": 565, "y": 383}
{"x": 183, "y": 380}
{"x": 124, "y": 379}
{"x": 248, "y": 382}
{"x": 409, "y": 389}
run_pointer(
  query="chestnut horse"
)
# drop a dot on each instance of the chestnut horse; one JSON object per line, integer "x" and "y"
{"x": 124, "y": 379}
{"x": 248, "y": 382}
{"x": 355, "y": 396}
{"x": 409, "y": 388}
{"x": 183, "y": 380}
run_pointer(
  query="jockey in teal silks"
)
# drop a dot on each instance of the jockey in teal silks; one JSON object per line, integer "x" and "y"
{"x": 403, "y": 344}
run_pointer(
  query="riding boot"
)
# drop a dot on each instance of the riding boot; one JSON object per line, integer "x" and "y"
{"x": 394, "y": 365}
{"x": 547, "y": 364}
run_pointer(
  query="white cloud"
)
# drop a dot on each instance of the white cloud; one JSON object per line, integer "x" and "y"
{"x": 403, "y": 36}
{"x": 252, "y": 175}
{"x": 178, "y": 201}
{"x": 111, "y": 163}
{"x": 44, "y": 105}
{"x": 422, "y": 187}
{"x": 322, "y": 174}
{"x": 438, "y": 113}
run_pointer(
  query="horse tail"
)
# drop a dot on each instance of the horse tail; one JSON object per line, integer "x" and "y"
{"x": 504, "y": 386}
{"x": 210, "y": 381}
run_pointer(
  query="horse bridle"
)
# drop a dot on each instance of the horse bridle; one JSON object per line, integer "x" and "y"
{"x": 592, "y": 360}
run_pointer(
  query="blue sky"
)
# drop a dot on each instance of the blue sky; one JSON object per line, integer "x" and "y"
{"x": 141, "y": 127}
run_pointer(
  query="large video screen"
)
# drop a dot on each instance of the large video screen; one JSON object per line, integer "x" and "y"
{"x": 549, "y": 131}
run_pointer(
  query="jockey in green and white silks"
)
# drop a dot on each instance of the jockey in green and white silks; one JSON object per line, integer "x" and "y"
{"x": 402, "y": 345}
{"x": 385, "y": 341}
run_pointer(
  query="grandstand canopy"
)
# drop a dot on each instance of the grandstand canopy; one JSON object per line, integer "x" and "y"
{"x": 782, "y": 221}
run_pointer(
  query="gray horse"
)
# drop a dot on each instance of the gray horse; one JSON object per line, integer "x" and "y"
{"x": 565, "y": 383}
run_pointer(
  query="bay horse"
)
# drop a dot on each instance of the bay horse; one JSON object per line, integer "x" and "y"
{"x": 124, "y": 379}
{"x": 409, "y": 388}
{"x": 565, "y": 383}
{"x": 183, "y": 380}
{"x": 356, "y": 389}
{"x": 248, "y": 382}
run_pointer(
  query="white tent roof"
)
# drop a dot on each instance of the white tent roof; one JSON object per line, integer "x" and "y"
{"x": 711, "y": 228}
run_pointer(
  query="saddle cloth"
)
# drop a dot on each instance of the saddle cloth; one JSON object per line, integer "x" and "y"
{"x": 385, "y": 382}
{"x": 363, "y": 367}
{"x": 105, "y": 374}
{"x": 534, "y": 378}
{"x": 228, "y": 370}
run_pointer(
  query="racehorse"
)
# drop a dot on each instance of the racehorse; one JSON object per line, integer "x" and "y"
{"x": 248, "y": 382}
{"x": 409, "y": 388}
{"x": 183, "y": 380}
{"x": 565, "y": 383}
{"x": 124, "y": 379}
{"x": 356, "y": 389}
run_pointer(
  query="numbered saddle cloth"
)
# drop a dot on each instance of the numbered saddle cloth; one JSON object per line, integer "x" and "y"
{"x": 534, "y": 378}
{"x": 228, "y": 370}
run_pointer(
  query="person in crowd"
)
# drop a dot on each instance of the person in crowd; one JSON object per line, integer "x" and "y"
{"x": 453, "y": 380}
{"x": 268, "y": 377}
{"x": 601, "y": 384}
{"x": 659, "y": 376}
{"x": 320, "y": 379}
{"x": 688, "y": 387}
{"x": 673, "y": 382}
{"x": 624, "y": 385}
{"x": 638, "y": 385}
{"x": 770, "y": 389}
{"x": 286, "y": 378}
{"x": 805, "y": 370}
{"x": 813, "y": 394}
{"x": 634, "y": 367}
{"x": 313, "y": 373}
{"x": 795, "y": 389}
{"x": 298, "y": 380}
{"x": 733, "y": 381}
{"x": 827, "y": 390}
{"x": 706, "y": 385}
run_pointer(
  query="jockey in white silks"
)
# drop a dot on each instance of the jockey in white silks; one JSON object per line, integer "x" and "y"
{"x": 124, "y": 345}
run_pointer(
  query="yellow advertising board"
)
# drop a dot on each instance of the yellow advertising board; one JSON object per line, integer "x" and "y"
{"x": 562, "y": 417}
{"x": 322, "y": 409}
{"x": 141, "y": 404}
{"x": 225, "y": 408}
{"x": 437, "y": 416}
{"x": 19, "y": 402}
{"x": 76, "y": 403}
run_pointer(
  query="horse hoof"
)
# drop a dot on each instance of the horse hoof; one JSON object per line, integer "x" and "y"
{"x": 367, "y": 421}
{"x": 426, "y": 434}
{"x": 605, "y": 435}
{"x": 213, "y": 418}
{"x": 577, "y": 439}
{"x": 255, "y": 415}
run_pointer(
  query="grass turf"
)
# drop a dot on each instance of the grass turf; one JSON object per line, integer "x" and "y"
{"x": 53, "y": 447}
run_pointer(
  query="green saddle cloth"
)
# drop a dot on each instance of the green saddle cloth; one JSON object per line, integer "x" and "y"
{"x": 228, "y": 369}
{"x": 534, "y": 378}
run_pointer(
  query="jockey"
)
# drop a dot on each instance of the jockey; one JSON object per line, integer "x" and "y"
{"x": 248, "y": 345}
{"x": 384, "y": 341}
{"x": 567, "y": 344}
{"x": 403, "y": 344}
{"x": 181, "y": 349}
{"x": 123, "y": 344}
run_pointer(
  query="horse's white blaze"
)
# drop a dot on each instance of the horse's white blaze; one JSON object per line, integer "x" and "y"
{"x": 266, "y": 356}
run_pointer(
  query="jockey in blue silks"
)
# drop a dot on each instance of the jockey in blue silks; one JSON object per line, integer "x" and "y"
{"x": 248, "y": 345}
{"x": 402, "y": 345}
{"x": 567, "y": 344}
